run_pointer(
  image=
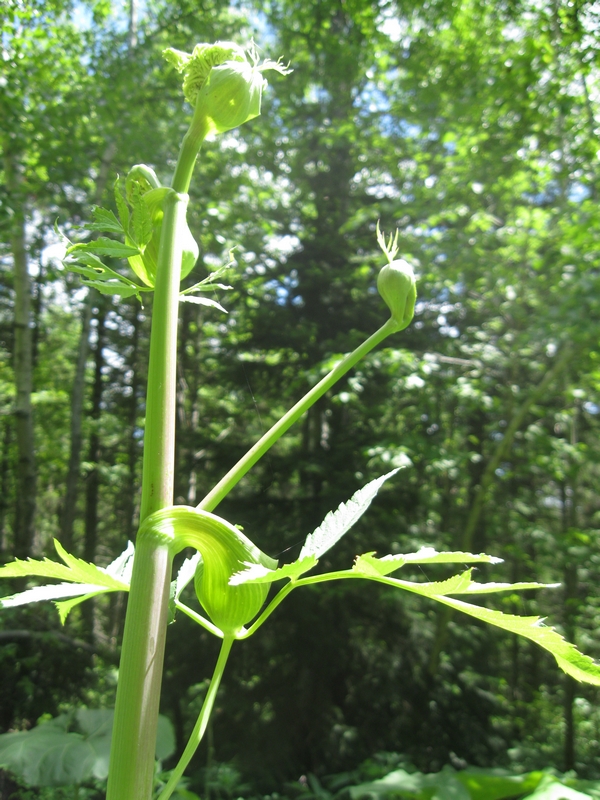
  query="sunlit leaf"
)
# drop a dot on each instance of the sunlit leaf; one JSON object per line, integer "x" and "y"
{"x": 201, "y": 301}
{"x": 105, "y": 221}
{"x": 257, "y": 573}
{"x": 338, "y": 522}
{"x": 104, "y": 247}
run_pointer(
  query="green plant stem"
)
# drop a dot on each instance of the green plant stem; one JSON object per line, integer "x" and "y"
{"x": 190, "y": 147}
{"x": 236, "y": 473}
{"x": 199, "y": 619}
{"x": 279, "y": 597}
{"x": 140, "y": 673}
{"x": 201, "y": 722}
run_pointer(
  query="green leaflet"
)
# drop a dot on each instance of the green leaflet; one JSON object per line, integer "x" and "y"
{"x": 568, "y": 657}
{"x": 105, "y": 221}
{"x": 81, "y": 580}
{"x": 104, "y": 247}
{"x": 426, "y": 555}
{"x": 338, "y": 522}
{"x": 83, "y": 260}
{"x": 257, "y": 573}
{"x": 201, "y": 301}
{"x": 330, "y": 531}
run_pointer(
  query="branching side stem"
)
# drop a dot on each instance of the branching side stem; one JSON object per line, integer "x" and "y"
{"x": 236, "y": 473}
{"x": 201, "y": 722}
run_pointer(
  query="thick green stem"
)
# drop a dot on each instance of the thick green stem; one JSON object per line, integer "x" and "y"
{"x": 159, "y": 436}
{"x": 201, "y": 722}
{"x": 188, "y": 153}
{"x": 140, "y": 672}
{"x": 236, "y": 473}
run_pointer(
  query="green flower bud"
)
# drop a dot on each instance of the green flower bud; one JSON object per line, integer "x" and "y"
{"x": 231, "y": 95}
{"x": 396, "y": 282}
{"x": 224, "y": 87}
{"x": 397, "y": 285}
{"x": 146, "y": 226}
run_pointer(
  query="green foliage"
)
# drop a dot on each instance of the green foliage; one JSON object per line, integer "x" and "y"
{"x": 477, "y": 784}
{"x": 70, "y": 749}
{"x": 79, "y": 578}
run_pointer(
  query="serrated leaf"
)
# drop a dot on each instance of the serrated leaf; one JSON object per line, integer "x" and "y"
{"x": 257, "y": 573}
{"x": 568, "y": 657}
{"x": 105, "y": 247}
{"x": 105, "y": 221}
{"x": 122, "y": 208}
{"x": 201, "y": 301}
{"x": 102, "y": 278}
{"x": 426, "y": 555}
{"x": 338, "y": 522}
{"x": 140, "y": 227}
{"x": 88, "y": 579}
{"x": 64, "y": 607}
{"x": 100, "y": 270}
{"x": 122, "y": 566}
{"x": 114, "y": 288}
{"x": 210, "y": 287}
{"x": 51, "y": 591}
{"x": 185, "y": 575}
{"x": 490, "y": 588}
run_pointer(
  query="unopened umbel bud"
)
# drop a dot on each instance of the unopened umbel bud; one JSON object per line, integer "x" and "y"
{"x": 222, "y": 84}
{"x": 397, "y": 285}
{"x": 396, "y": 282}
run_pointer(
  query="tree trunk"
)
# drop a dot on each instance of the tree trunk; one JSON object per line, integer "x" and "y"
{"x": 25, "y": 488}
{"x": 92, "y": 492}
{"x": 486, "y": 485}
{"x": 4, "y": 484}
{"x": 77, "y": 400}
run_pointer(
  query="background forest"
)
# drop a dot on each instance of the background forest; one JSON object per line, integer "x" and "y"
{"x": 473, "y": 128}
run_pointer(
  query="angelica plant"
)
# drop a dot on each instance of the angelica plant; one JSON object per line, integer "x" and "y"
{"x": 231, "y": 576}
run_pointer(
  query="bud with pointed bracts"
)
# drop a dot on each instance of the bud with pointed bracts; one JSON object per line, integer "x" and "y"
{"x": 223, "y": 82}
{"x": 396, "y": 283}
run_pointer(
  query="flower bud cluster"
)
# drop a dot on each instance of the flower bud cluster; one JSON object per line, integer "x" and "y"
{"x": 223, "y": 83}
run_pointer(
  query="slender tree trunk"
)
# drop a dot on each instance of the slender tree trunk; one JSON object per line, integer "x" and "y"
{"x": 67, "y": 517}
{"x": 4, "y": 484}
{"x": 93, "y": 479}
{"x": 571, "y": 600}
{"x": 25, "y": 488}
{"x": 77, "y": 400}
{"x": 133, "y": 24}
{"x": 486, "y": 485}
{"x": 92, "y": 492}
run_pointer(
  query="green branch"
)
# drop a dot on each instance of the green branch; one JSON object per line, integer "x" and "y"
{"x": 201, "y": 722}
{"x": 236, "y": 473}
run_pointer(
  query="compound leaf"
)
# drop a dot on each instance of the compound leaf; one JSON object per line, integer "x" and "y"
{"x": 338, "y": 522}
